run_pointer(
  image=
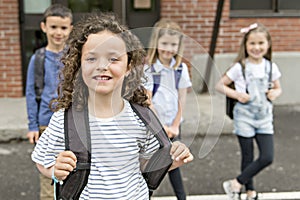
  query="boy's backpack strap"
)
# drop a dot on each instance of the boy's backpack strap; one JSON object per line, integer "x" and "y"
{"x": 158, "y": 165}
{"x": 77, "y": 140}
{"x": 39, "y": 72}
{"x": 156, "y": 78}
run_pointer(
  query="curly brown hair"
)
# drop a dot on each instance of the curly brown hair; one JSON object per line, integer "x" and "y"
{"x": 72, "y": 89}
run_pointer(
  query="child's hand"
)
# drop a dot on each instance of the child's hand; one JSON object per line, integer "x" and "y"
{"x": 272, "y": 94}
{"x": 33, "y": 136}
{"x": 242, "y": 97}
{"x": 180, "y": 155}
{"x": 65, "y": 163}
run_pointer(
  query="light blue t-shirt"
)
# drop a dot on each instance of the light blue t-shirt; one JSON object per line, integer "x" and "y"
{"x": 165, "y": 100}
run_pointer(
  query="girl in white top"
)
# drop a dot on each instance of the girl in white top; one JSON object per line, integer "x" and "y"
{"x": 103, "y": 55}
{"x": 253, "y": 113}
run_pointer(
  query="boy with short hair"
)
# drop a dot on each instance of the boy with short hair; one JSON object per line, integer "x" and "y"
{"x": 57, "y": 25}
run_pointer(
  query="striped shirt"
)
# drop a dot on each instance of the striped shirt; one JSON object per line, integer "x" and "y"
{"x": 117, "y": 144}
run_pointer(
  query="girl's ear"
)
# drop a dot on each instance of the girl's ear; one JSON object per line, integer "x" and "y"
{"x": 43, "y": 26}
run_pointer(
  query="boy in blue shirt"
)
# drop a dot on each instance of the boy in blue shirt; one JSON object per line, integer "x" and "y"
{"x": 57, "y": 25}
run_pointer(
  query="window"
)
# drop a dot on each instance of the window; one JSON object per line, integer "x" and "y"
{"x": 264, "y": 8}
{"x": 82, "y": 6}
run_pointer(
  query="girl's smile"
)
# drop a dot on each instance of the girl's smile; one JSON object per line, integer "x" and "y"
{"x": 104, "y": 62}
{"x": 167, "y": 46}
{"x": 257, "y": 46}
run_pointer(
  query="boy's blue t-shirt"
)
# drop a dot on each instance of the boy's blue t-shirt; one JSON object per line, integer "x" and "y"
{"x": 41, "y": 116}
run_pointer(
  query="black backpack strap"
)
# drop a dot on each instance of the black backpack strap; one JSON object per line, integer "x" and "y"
{"x": 77, "y": 140}
{"x": 177, "y": 74}
{"x": 160, "y": 162}
{"x": 39, "y": 72}
{"x": 156, "y": 80}
{"x": 270, "y": 82}
{"x": 243, "y": 67}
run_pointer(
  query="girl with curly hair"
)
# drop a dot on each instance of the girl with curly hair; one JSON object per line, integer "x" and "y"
{"x": 103, "y": 71}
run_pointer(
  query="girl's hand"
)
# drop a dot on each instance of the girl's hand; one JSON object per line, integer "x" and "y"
{"x": 272, "y": 94}
{"x": 65, "y": 163}
{"x": 180, "y": 155}
{"x": 242, "y": 97}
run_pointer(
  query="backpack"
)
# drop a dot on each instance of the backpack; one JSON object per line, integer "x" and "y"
{"x": 230, "y": 102}
{"x": 156, "y": 78}
{"x": 78, "y": 140}
{"x": 39, "y": 73}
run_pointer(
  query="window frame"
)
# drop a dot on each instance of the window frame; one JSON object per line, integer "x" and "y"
{"x": 275, "y": 11}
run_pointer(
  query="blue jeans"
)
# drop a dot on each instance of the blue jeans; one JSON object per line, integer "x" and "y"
{"x": 249, "y": 166}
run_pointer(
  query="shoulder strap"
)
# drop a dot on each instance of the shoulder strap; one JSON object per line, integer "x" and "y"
{"x": 270, "y": 82}
{"x": 177, "y": 74}
{"x": 243, "y": 67}
{"x": 156, "y": 78}
{"x": 77, "y": 140}
{"x": 39, "y": 72}
{"x": 160, "y": 162}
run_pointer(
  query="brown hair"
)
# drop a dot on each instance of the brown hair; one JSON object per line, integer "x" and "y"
{"x": 57, "y": 10}
{"x": 243, "y": 54}
{"x": 72, "y": 88}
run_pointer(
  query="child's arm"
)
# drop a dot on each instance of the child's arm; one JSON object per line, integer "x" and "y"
{"x": 174, "y": 128}
{"x": 222, "y": 86}
{"x": 275, "y": 91}
{"x": 180, "y": 155}
{"x": 65, "y": 163}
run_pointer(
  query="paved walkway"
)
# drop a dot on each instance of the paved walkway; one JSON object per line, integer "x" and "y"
{"x": 207, "y": 132}
{"x": 262, "y": 196}
{"x": 13, "y": 116}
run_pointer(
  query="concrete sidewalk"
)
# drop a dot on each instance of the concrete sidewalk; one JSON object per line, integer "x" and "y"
{"x": 210, "y": 109}
{"x": 262, "y": 196}
{"x": 206, "y": 131}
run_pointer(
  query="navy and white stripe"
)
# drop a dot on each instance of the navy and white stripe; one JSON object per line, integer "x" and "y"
{"x": 117, "y": 145}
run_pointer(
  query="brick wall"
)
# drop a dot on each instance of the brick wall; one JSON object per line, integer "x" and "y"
{"x": 10, "y": 56}
{"x": 196, "y": 17}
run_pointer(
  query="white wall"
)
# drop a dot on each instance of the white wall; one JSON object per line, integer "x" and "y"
{"x": 288, "y": 63}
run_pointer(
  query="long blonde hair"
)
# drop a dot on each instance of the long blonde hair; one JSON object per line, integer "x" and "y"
{"x": 162, "y": 27}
